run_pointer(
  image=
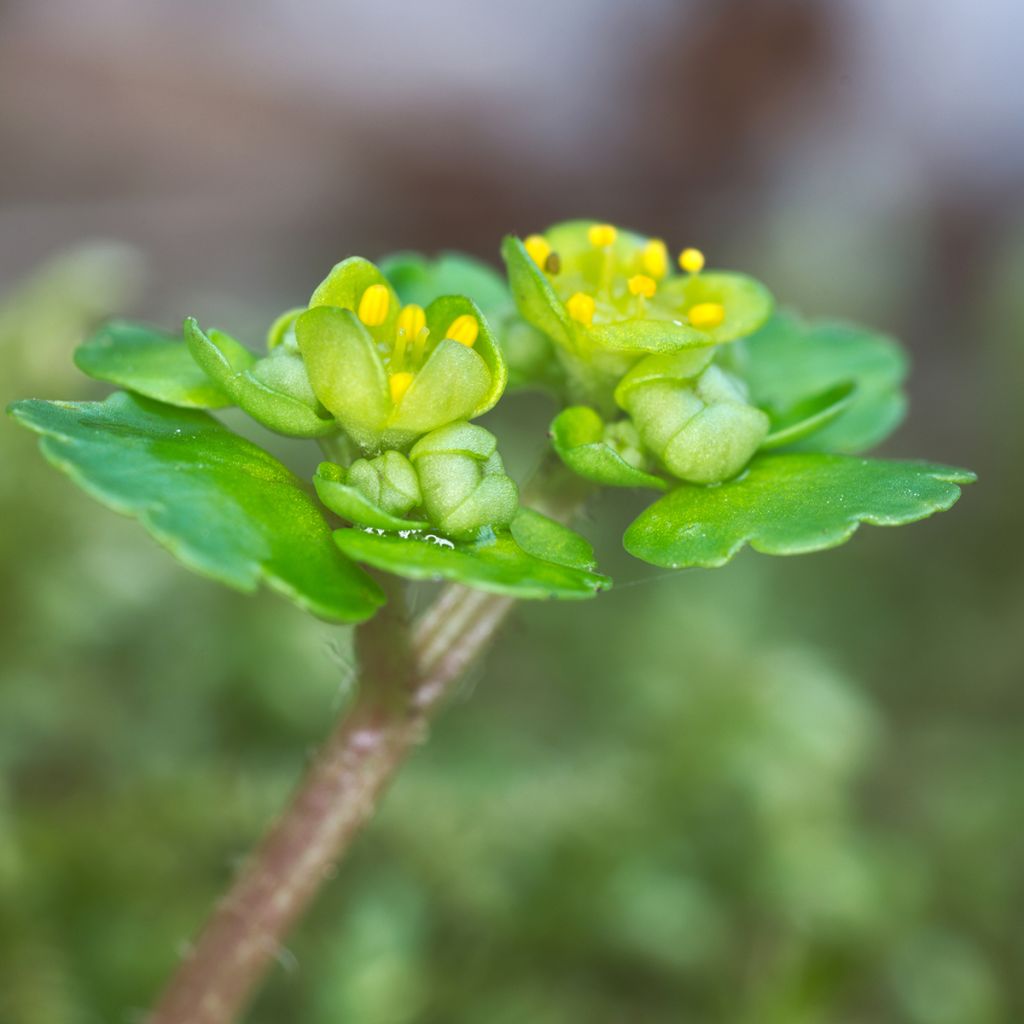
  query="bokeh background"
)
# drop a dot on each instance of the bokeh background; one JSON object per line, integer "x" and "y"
{"x": 789, "y": 791}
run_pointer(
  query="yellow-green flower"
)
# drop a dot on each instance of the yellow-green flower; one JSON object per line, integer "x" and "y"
{"x": 390, "y": 373}
{"x": 607, "y": 297}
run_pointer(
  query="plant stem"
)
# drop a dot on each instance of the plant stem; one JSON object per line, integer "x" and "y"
{"x": 406, "y": 672}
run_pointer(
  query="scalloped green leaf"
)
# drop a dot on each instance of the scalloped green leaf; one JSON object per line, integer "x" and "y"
{"x": 577, "y": 435}
{"x": 420, "y": 279}
{"x": 808, "y": 416}
{"x": 221, "y": 505}
{"x": 149, "y": 362}
{"x": 789, "y": 504}
{"x": 790, "y": 359}
{"x": 497, "y": 564}
{"x": 352, "y": 505}
{"x": 543, "y": 537}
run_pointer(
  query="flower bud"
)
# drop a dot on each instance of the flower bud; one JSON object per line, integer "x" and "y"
{"x": 463, "y": 481}
{"x": 695, "y": 419}
{"x": 388, "y": 481}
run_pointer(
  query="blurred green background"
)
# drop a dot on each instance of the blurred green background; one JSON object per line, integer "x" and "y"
{"x": 788, "y": 791}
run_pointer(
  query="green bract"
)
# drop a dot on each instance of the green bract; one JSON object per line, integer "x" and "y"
{"x": 149, "y": 362}
{"x": 219, "y": 503}
{"x": 789, "y": 505}
{"x": 539, "y": 558}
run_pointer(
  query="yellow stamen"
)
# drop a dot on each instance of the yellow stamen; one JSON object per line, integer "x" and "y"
{"x": 691, "y": 260}
{"x": 399, "y": 384}
{"x": 537, "y": 249}
{"x": 419, "y": 345}
{"x": 602, "y": 235}
{"x": 464, "y": 329}
{"x": 655, "y": 258}
{"x": 373, "y": 306}
{"x": 706, "y": 314}
{"x": 581, "y": 308}
{"x": 411, "y": 320}
{"x": 641, "y": 284}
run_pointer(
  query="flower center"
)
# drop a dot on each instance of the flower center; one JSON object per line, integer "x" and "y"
{"x": 406, "y": 352}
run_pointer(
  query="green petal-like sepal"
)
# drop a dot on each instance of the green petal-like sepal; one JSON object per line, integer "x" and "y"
{"x": 701, "y": 429}
{"x": 282, "y": 330}
{"x": 534, "y": 296}
{"x": 274, "y": 391}
{"x": 221, "y": 505}
{"x": 790, "y": 359}
{"x": 456, "y": 382}
{"x": 789, "y": 504}
{"x": 495, "y": 563}
{"x": 377, "y": 492}
{"x": 808, "y": 416}
{"x": 346, "y": 371}
{"x": 420, "y": 279}
{"x": 747, "y": 304}
{"x": 345, "y": 286}
{"x": 465, "y": 489}
{"x": 151, "y": 363}
{"x": 580, "y": 437}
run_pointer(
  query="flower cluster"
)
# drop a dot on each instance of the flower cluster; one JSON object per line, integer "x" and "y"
{"x": 636, "y": 336}
{"x": 399, "y": 381}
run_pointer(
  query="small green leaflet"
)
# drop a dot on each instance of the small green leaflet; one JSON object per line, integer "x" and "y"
{"x": 220, "y": 504}
{"x": 540, "y": 559}
{"x": 150, "y": 362}
{"x": 789, "y": 504}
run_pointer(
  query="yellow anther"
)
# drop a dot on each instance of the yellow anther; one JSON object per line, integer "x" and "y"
{"x": 706, "y": 314}
{"x": 373, "y": 306}
{"x": 537, "y": 249}
{"x": 641, "y": 284}
{"x": 464, "y": 330}
{"x": 411, "y": 320}
{"x": 602, "y": 235}
{"x": 691, "y": 260}
{"x": 655, "y": 258}
{"x": 581, "y": 308}
{"x": 399, "y": 384}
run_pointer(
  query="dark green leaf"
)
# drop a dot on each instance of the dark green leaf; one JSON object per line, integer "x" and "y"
{"x": 150, "y": 362}
{"x": 497, "y": 564}
{"x": 220, "y": 504}
{"x": 419, "y": 279}
{"x": 789, "y": 504}
{"x": 789, "y": 360}
{"x": 577, "y": 434}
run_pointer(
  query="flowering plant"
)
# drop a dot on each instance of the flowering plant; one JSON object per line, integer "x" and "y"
{"x": 750, "y": 425}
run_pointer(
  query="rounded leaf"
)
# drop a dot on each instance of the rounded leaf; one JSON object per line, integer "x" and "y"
{"x": 789, "y": 504}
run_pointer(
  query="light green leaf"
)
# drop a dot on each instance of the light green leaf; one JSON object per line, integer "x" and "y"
{"x": 543, "y": 537}
{"x": 274, "y": 391}
{"x": 149, "y": 362}
{"x": 497, "y": 564}
{"x": 420, "y": 279}
{"x": 789, "y": 504}
{"x": 808, "y": 416}
{"x": 577, "y": 434}
{"x": 790, "y": 359}
{"x": 220, "y": 504}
